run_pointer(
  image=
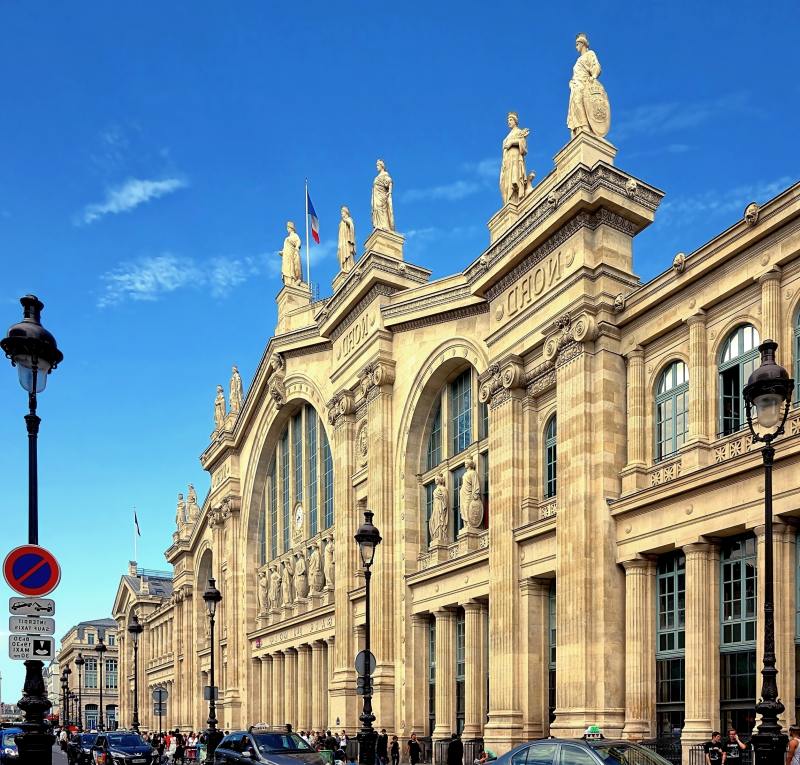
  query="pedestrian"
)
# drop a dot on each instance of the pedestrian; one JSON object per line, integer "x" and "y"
{"x": 715, "y": 752}
{"x": 793, "y": 752}
{"x": 394, "y": 751}
{"x": 414, "y": 750}
{"x": 331, "y": 742}
{"x": 455, "y": 751}
{"x": 734, "y": 747}
{"x": 382, "y": 747}
{"x": 180, "y": 744}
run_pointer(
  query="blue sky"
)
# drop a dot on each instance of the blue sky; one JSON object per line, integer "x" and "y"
{"x": 152, "y": 152}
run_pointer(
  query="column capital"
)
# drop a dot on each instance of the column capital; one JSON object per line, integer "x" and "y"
{"x": 644, "y": 564}
{"x": 635, "y": 354}
{"x": 446, "y": 613}
{"x": 340, "y": 407}
{"x": 535, "y": 585}
{"x": 773, "y": 275}
{"x": 502, "y": 377}
{"x": 317, "y": 645}
{"x": 266, "y": 658}
{"x": 420, "y": 619}
{"x": 698, "y": 317}
{"x": 304, "y": 648}
{"x": 475, "y": 607}
{"x": 699, "y": 549}
{"x": 780, "y": 529}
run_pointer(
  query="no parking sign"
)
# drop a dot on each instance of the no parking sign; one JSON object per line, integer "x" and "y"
{"x": 31, "y": 570}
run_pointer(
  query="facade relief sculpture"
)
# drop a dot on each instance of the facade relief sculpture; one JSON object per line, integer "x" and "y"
{"x": 219, "y": 409}
{"x": 589, "y": 110}
{"x": 382, "y": 209}
{"x": 751, "y": 213}
{"x": 330, "y": 565}
{"x": 261, "y": 591}
{"x": 316, "y": 579}
{"x": 277, "y": 372}
{"x": 471, "y": 503}
{"x": 439, "y": 522}
{"x": 290, "y": 257}
{"x": 180, "y": 513}
{"x": 347, "y": 242}
{"x": 236, "y": 391}
{"x": 286, "y": 583}
{"x": 300, "y": 577}
{"x": 274, "y": 591}
{"x": 515, "y": 182}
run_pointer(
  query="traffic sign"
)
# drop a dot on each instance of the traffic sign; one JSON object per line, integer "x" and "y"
{"x": 361, "y": 662}
{"x": 32, "y": 625}
{"x": 24, "y": 647}
{"x": 31, "y": 606}
{"x": 31, "y": 570}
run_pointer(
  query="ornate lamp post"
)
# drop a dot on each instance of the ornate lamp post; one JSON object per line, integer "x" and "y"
{"x": 100, "y": 648}
{"x": 33, "y": 350}
{"x": 769, "y": 391}
{"x": 212, "y": 596}
{"x": 79, "y": 662}
{"x": 134, "y": 630}
{"x": 73, "y": 700}
{"x": 67, "y": 673}
{"x": 62, "y": 715}
{"x": 368, "y": 538}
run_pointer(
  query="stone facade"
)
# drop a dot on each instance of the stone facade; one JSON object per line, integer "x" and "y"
{"x": 620, "y": 546}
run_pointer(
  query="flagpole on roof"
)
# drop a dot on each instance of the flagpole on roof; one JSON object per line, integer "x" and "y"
{"x": 308, "y": 248}
{"x": 134, "y": 536}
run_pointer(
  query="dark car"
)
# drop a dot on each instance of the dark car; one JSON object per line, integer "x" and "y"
{"x": 563, "y": 751}
{"x": 8, "y": 744}
{"x": 276, "y": 747}
{"x": 79, "y": 748}
{"x": 122, "y": 748}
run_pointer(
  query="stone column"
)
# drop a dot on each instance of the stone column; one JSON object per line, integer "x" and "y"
{"x": 640, "y": 648}
{"x": 771, "y": 326}
{"x": 475, "y": 615}
{"x": 697, "y": 453}
{"x": 702, "y": 643}
{"x": 445, "y": 682}
{"x": 783, "y": 573}
{"x": 633, "y": 476}
{"x": 266, "y": 690}
{"x": 278, "y": 689}
{"x": 306, "y": 687}
{"x": 535, "y": 656}
{"x": 318, "y": 686}
{"x": 254, "y": 701}
{"x": 291, "y": 687}
{"x": 417, "y": 675}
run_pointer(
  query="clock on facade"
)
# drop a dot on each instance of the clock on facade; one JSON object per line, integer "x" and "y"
{"x": 298, "y": 517}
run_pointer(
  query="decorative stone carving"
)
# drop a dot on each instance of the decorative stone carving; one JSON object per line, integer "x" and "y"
{"x": 219, "y": 409}
{"x": 346, "y": 249}
{"x": 286, "y": 582}
{"x": 471, "y": 504}
{"x": 679, "y": 263}
{"x": 631, "y": 187}
{"x": 340, "y": 405}
{"x": 192, "y": 508}
{"x": 589, "y": 109}
{"x": 619, "y": 303}
{"x": 373, "y": 376}
{"x": 382, "y": 209}
{"x": 290, "y": 257}
{"x": 362, "y": 443}
{"x": 552, "y": 199}
{"x": 665, "y": 473}
{"x": 316, "y": 579}
{"x": 330, "y": 564}
{"x": 439, "y": 521}
{"x": 180, "y": 513}
{"x": 568, "y": 338}
{"x": 261, "y": 591}
{"x": 751, "y": 213}
{"x": 274, "y": 592}
{"x": 275, "y": 387}
{"x": 300, "y": 576}
{"x": 515, "y": 183}
{"x": 236, "y": 391}
{"x": 498, "y": 380}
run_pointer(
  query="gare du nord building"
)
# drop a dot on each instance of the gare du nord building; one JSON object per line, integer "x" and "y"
{"x": 615, "y": 577}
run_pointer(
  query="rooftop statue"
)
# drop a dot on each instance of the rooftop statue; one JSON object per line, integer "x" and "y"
{"x": 347, "y": 241}
{"x": 180, "y": 513}
{"x": 237, "y": 391}
{"x": 219, "y": 409}
{"x": 382, "y": 211}
{"x": 290, "y": 257}
{"x": 192, "y": 508}
{"x": 514, "y": 181}
{"x": 589, "y": 109}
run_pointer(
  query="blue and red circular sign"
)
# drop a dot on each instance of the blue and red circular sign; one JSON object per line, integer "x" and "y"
{"x": 31, "y": 570}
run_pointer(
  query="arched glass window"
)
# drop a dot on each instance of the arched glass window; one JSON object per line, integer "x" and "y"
{"x": 300, "y": 473}
{"x": 738, "y": 359}
{"x": 456, "y": 417}
{"x": 550, "y": 458}
{"x": 797, "y": 358}
{"x": 672, "y": 409}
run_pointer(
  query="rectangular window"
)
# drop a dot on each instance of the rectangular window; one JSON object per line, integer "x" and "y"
{"x": 429, "y": 487}
{"x": 311, "y": 447}
{"x": 110, "y": 679}
{"x": 262, "y": 532}
{"x": 90, "y": 673}
{"x": 457, "y": 522}
{"x": 273, "y": 510}
{"x": 431, "y": 675}
{"x": 484, "y": 460}
{"x": 435, "y": 439}
{"x": 327, "y": 483}
{"x": 111, "y": 639}
{"x": 90, "y": 638}
{"x": 297, "y": 442}
{"x": 483, "y": 430}
{"x": 731, "y": 400}
{"x": 738, "y": 690}
{"x": 738, "y": 608}
{"x": 671, "y": 588}
{"x": 670, "y": 697}
{"x": 285, "y": 487}
{"x": 460, "y": 670}
{"x": 551, "y": 657}
{"x": 461, "y": 411}
{"x": 91, "y": 716}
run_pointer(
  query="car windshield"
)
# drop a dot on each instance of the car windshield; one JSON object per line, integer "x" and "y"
{"x": 126, "y": 741}
{"x": 8, "y": 739}
{"x": 87, "y": 739}
{"x": 280, "y": 742}
{"x": 627, "y": 754}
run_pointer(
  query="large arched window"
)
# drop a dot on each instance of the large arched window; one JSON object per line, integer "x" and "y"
{"x": 458, "y": 430}
{"x": 737, "y": 360}
{"x": 300, "y": 474}
{"x": 672, "y": 409}
{"x": 797, "y": 357}
{"x": 550, "y": 458}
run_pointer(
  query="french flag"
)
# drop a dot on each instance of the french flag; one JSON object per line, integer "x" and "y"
{"x": 314, "y": 219}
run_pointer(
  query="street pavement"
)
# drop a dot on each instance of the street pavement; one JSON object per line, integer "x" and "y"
{"x": 59, "y": 758}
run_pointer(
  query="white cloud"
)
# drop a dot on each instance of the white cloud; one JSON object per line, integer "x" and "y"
{"x": 479, "y": 176}
{"x": 130, "y": 195}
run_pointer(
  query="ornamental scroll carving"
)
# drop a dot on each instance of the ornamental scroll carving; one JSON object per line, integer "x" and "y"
{"x": 341, "y": 405}
{"x": 275, "y": 388}
{"x": 373, "y": 377}
{"x": 497, "y": 382}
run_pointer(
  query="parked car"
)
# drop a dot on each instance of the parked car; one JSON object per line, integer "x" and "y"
{"x": 565, "y": 751}
{"x": 122, "y": 748}
{"x": 79, "y": 748}
{"x": 8, "y": 745}
{"x": 263, "y": 745}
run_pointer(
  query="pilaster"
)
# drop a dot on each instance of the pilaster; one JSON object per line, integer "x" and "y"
{"x": 476, "y": 613}
{"x": 535, "y": 660}
{"x": 696, "y": 452}
{"x": 771, "y": 325}
{"x": 417, "y": 676}
{"x": 278, "y": 690}
{"x": 445, "y": 674}
{"x": 291, "y": 688}
{"x": 318, "y": 686}
{"x": 634, "y": 476}
{"x": 266, "y": 690}
{"x": 305, "y": 687}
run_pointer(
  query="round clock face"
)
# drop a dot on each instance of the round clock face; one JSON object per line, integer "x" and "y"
{"x": 298, "y": 516}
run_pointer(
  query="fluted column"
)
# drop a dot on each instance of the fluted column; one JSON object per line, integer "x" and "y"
{"x": 640, "y": 648}
{"x": 318, "y": 686}
{"x": 278, "y": 689}
{"x": 254, "y": 689}
{"x": 291, "y": 687}
{"x": 475, "y": 615}
{"x": 266, "y": 689}
{"x": 535, "y": 628}
{"x": 771, "y": 326}
{"x": 783, "y": 573}
{"x": 417, "y": 675}
{"x": 702, "y": 643}
{"x": 633, "y": 475}
{"x": 445, "y": 673}
{"x": 698, "y": 378}
{"x": 306, "y": 687}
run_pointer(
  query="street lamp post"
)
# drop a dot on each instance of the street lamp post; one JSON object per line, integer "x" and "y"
{"x": 79, "y": 662}
{"x": 33, "y": 350}
{"x": 62, "y": 715}
{"x": 212, "y": 596}
{"x": 67, "y": 673}
{"x": 100, "y": 648}
{"x": 135, "y": 629}
{"x": 769, "y": 392}
{"x": 368, "y": 538}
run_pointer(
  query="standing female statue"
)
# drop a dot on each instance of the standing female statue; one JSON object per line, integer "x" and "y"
{"x": 471, "y": 505}
{"x": 274, "y": 592}
{"x": 290, "y": 257}
{"x": 330, "y": 564}
{"x": 382, "y": 211}
{"x": 300, "y": 578}
{"x": 219, "y": 409}
{"x": 316, "y": 580}
{"x": 440, "y": 513}
{"x": 588, "y": 109}
{"x": 286, "y": 582}
{"x": 514, "y": 181}
{"x": 347, "y": 242}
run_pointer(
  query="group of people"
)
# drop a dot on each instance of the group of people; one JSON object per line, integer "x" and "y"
{"x": 174, "y": 746}
{"x": 729, "y": 752}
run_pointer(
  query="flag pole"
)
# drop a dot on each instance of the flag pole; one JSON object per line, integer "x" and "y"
{"x": 134, "y": 536}
{"x": 308, "y": 248}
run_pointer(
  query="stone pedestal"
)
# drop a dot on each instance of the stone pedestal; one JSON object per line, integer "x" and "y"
{"x": 438, "y": 553}
{"x": 584, "y": 149}
{"x": 340, "y": 279}
{"x": 388, "y": 243}
{"x": 290, "y": 300}
{"x": 470, "y": 538}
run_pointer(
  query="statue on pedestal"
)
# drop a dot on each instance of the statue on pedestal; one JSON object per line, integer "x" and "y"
{"x": 316, "y": 579}
{"x": 300, "y": 579}
{"x": 290, "y": 257}
{"x": 237, "y": 391}
{"x": 286, "y": 583}
{"x": 192, "y": 508}
{"x": 219, "y": 409}
{"x": 347, "y": 242}
{"x": 588, "y": 109}
{"x": 274, "y": 592}
{"x": 514, "y": 180}
{"x": 180, "y": 512}
{"x": 471, "y": 504}
{"x": 382, "y": 210}
{"x": 439, "y": 521}
{"x": 261, "y": 591}
{"x": 330, "y": 564}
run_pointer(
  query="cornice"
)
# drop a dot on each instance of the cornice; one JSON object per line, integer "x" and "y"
{"x": 440, "y": 318}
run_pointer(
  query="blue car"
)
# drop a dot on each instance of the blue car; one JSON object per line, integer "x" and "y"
{"x": 562, "y": 751}
{"x": 8, "y": 745}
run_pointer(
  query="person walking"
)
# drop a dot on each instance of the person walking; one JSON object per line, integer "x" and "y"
{"x": 455, "y": 751}
{"x": 714, "y": 750}
{"x": 382, "y": 747}
{"x": 734, "y": 747}
{"x": 793, "y": 751}
{"x": 180, "y": 748}
{"x": 394, "y": 751}
{"x": 414, "y": 750}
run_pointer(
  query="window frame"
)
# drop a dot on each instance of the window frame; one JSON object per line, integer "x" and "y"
{"x": 745, "y": 362}
{"x": 550, "y": 457}
{"x": 671, "y": 396}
